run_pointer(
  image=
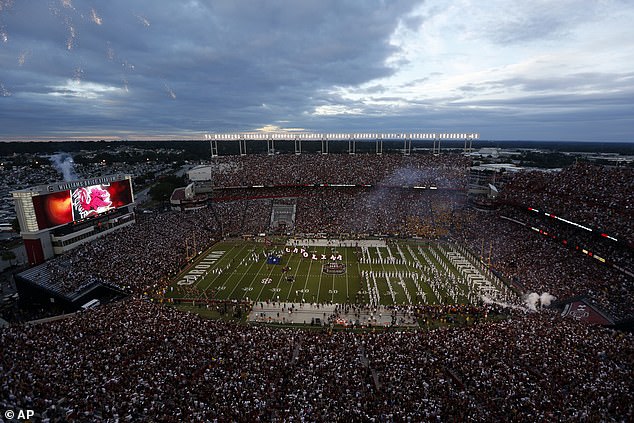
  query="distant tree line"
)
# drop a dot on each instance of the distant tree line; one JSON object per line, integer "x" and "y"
{"x": 195, "y": 150}
{"x": 546, "y": 160}
{"x": 162, "y": 190}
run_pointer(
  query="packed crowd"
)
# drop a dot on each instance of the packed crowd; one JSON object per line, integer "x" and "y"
{"x": 446, "y": 171}
{"x": 140, "y": 361}
{"x": 613, "y": 251}
{"x": 245, "y": 216}
{"x": 404, "y": 212}
{"x": 140, "y": 257}
{"x": 389, "y": 211}
{"x": 69, "y": 275}
{"x": 596, "y": 196}
{"x": 541, "y": 264}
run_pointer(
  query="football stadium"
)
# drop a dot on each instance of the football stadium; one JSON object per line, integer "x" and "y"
{"x": 380, "y": 286}
{"x": 316, "y": 211}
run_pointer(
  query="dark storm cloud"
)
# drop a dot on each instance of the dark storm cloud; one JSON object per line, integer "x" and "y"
{"x": 606, "y": 116}
{"x": 72, "y": 68}
{"x": 148, "y": 66}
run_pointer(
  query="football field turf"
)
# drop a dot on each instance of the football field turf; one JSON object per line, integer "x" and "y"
{"x": 398, "y": 273}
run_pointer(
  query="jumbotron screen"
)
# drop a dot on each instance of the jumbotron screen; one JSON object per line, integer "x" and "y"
{"x": 63, "y": 207}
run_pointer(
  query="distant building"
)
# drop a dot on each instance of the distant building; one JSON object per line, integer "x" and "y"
{"x": 486, "y": 152}
{"x": 195, "y": 195}
{"x": 486, "y": 180}
{"x": 183, "y": 199}
{"x": 200, "y": 177}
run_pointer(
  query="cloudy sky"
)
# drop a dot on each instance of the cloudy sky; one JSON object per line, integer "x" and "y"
{"x": 138, "y": 69}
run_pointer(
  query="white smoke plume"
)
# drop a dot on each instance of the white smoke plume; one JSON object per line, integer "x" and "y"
{"x": 531, "y": 301}
{"x": 63, "y": 163}
{"x": 488, "y": 300}
{"x": 546, "y": 299}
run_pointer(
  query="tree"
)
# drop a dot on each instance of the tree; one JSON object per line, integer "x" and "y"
{"x": 163, "y": 189}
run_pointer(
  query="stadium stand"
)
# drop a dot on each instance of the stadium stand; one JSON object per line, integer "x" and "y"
{"x": 138, "y": 361}
{"x": 599, "y": 196}
{"x": 387, "y": 209}
{"x": 135, "y": 360}
{"x": 447, "y": 171}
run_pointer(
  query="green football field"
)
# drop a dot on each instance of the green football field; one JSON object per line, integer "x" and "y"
{"x": 399, "y": 273}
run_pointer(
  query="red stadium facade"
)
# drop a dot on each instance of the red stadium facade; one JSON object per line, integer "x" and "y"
{"x": 58, "y": 217}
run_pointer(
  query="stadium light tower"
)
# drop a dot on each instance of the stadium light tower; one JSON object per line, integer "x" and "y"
{"x": 433, "y": 150}
{"x": 243, "y": 145}
{"x": 325, "y": 138}
{"x": 324, "y": 144}
{"x": 407, "y": 144}
{"x": 213, "y": 144}
{"x": 298, "y": 144}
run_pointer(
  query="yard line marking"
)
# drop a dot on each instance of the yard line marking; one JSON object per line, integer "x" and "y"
{"x": 280, "y": 279}
{"x": 438, "y": 277}
{"x": 263, "y": 285}
{"x": 246, "y": 273}
{"x": 216, "y": 264}
{"x": 320, "y": 275}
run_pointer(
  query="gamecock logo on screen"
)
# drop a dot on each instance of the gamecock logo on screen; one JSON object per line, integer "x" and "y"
{"x": 90, "y": 201}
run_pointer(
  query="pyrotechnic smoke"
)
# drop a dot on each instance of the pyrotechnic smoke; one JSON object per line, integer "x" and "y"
{"x": 546, "y": 299}
{"x": 3, "y": 91}
{"x": 143, "y": 20}
{"x": 64, "y": 164}
{"x": 170, "y": 92}
{"x": 531, "y": 300}
{"x": 72, "y": 35}
{"x": 22, "y": 57}
{"x": 5, "y": 4}
{"x": 95, "y": 17}
{"x": 488, "y": 300}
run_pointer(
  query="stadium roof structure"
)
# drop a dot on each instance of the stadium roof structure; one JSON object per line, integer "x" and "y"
{"x": 325, "y": 137}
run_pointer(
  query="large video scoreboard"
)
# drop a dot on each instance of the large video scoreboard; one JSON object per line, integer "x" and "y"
{"x": 57, "y": 217}
{"x": 59, "y": 208}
